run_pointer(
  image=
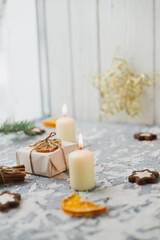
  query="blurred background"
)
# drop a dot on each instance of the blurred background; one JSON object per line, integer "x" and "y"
{"x": 50, "y": 49}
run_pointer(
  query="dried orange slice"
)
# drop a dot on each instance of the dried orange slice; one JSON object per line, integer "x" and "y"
{"x": 45, "y": 147}
{"x": 50, "y": 122}
{"x": 44, "y": 150}
{"x": 75, "y": 205}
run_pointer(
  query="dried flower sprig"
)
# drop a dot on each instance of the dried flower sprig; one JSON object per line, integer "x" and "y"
{"x": 28, "y": 127}
{"x": 120, "y": 89}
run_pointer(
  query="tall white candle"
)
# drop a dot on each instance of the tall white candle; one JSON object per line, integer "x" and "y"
{"x": 65, "y": 127}
{"x": 81, "y": 168}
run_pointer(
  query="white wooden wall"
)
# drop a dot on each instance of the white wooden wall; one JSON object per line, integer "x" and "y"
{"x": 20, "y": 97}
{"x": 82, "y": 38}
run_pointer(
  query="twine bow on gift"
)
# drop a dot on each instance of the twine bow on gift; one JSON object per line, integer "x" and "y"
{"x": 47, "y": 145}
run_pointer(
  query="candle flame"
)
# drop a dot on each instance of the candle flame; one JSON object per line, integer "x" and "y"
{"x": 64, "y": 110}
{"x": 80, "y": 145}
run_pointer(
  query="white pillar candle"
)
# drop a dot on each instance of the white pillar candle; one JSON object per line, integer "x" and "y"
{"x": 81, "y": 168}
{"x": 65, "y": 127}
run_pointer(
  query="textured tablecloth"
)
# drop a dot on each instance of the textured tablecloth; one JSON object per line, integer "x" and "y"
{"x": 133, "y": 211}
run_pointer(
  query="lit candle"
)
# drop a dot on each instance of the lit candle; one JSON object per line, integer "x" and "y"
{"x": 65, "y": 127}
{"x": 81, "y": 168}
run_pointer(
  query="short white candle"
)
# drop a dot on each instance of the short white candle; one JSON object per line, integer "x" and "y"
{"x": 65, "y": 127}
{"x": 81, "y": 168}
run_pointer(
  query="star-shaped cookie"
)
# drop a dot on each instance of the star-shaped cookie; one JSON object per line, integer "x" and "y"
{"x": 145, "y": 136}
{"x": 143, "y": 177}
{"x": 9, "y": 200}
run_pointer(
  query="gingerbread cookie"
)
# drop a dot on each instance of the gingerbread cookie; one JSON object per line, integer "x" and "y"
{"x": 145, "y": 136}
{"x": 143, "y": 177}
{"x": 9, "y": 200}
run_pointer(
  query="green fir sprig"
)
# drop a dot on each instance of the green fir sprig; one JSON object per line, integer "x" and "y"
{"x": 28, "y": 127}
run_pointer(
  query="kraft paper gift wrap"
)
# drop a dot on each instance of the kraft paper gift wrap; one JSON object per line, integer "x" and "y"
{"x": 45, "y": 164}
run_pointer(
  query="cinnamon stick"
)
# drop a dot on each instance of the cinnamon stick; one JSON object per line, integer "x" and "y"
{"x": 13, "y": 180}
{"x": 13, "y": 176}
{"x": 16, "y": 167}
{"x": 19, "y": 166}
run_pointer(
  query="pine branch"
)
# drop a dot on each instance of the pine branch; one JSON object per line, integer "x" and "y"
{"x": 27, "y": 127}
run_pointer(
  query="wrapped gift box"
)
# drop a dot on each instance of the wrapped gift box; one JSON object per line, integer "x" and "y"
{"x": 45, "y": 164}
